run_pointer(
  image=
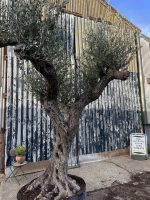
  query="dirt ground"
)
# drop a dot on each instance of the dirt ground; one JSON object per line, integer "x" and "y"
{"x": 137, "y": 189}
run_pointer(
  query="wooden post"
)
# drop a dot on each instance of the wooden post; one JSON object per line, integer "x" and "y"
{"x": 2, "y": 151}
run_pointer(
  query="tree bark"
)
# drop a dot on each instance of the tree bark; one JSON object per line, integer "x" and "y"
{"x": 56, "y": 175}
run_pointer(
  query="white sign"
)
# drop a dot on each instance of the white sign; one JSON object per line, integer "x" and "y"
{"x": 138, "y": 144}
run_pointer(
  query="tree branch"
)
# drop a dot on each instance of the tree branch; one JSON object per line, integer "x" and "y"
{"x": 43, "y": 66}
{"x": 48, "y": 71}
{"x": 94, "y": 94}
{"x": 7, "y": 43}
{"x": 120, "y": 75}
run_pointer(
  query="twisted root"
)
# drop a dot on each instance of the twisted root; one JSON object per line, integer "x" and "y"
{"x": 36, "y": 183}
{"x": 60, "y": 191}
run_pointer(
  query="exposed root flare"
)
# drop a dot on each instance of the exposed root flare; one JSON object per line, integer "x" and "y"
{"x": 60, "y": 191}
{"x": 36, "y": 183}
{"x": 73, "y": 184}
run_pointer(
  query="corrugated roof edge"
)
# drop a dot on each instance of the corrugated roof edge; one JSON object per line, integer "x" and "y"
{"x": 123, "y": 17}
{"x": 114, "y": 10}
{"x": 145, "y": 37}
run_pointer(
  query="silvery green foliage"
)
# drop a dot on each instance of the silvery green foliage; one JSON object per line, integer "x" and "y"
{"x": 32, "y": 80}
{"x": 107, "y": 48}
{"x": 36, "y": 25}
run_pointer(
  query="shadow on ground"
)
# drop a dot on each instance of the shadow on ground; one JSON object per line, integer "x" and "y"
{"x": 137, "y": 188}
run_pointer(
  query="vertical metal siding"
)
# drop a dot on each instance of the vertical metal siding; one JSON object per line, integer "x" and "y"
{"x": 108, "y": 122}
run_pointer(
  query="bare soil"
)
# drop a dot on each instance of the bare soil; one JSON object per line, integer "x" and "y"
{"x": 137, "y": 189}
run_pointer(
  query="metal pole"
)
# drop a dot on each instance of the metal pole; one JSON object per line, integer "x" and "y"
{"x": 141, "y": 82}
{"x": 3, "y": 111}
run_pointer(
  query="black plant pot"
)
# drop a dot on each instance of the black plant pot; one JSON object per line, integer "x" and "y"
{"x": 81, "y": 195}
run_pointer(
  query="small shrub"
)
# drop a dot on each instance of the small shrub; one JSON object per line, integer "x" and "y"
{"x": 20, "y": 150}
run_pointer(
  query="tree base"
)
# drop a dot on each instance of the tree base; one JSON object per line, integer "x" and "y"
{"x": 23, "y": 194}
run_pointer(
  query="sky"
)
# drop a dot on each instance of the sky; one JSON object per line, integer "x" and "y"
{"x": 136, "y": 11}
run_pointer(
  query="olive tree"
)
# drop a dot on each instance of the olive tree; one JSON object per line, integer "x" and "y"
{"x": 33, "y": 28}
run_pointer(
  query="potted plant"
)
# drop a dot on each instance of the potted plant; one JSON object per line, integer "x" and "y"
{"x": 20, "y": 152}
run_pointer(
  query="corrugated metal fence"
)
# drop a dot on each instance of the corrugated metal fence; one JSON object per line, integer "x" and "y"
{"x": 105, "y": 124}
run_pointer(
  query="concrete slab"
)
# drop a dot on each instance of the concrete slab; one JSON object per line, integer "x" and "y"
{"x": 97, "y": 175}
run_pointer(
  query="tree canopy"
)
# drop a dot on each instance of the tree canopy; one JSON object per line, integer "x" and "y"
{"x": 34, "y": 28}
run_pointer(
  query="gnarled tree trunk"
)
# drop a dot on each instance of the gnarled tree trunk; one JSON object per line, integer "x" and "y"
{"x": 55, "y": 182}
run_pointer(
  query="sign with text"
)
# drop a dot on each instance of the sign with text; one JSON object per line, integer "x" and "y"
{"x": 138, "y": 145}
